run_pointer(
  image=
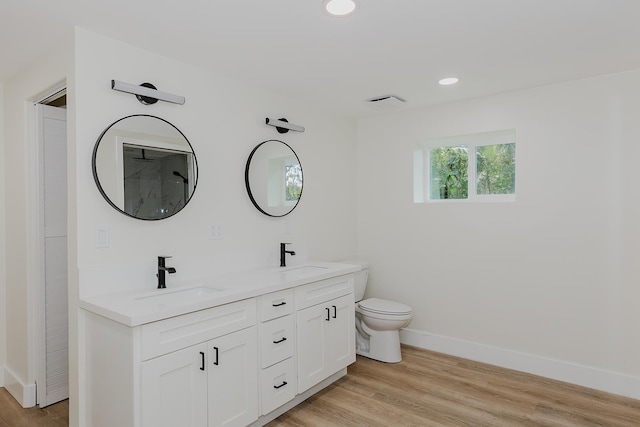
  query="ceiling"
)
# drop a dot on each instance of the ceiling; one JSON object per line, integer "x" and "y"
{"x": 399, "y": 47}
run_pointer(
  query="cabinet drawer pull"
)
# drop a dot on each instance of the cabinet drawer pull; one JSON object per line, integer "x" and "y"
{"x": 279, "y": 304}
{"x": 284, "y": 383}
{"x": 283, "y": 339}
{"x": 202, "y": 356}
{"x": 328, "y": 313}
{"x": 216, "y": 361}
{"x": 335, "y": 311}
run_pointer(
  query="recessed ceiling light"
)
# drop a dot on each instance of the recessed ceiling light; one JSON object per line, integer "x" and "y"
{"x": 448, "y": 81}
{"x": 340, "y": 7}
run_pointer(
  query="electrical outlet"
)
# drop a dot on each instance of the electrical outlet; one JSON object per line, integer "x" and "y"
{"x": 215, "y": 232}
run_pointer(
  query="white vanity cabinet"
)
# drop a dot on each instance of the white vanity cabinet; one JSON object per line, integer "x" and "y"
{"x": 240, "y": 358}
{"x": 198, "y": 369}
{"x": 212, "y": 384}
{"x": 325, "y": 329}
{"x": 277, "y": 347}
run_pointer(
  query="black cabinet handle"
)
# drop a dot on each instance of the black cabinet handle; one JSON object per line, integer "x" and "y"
{"x": 280, "y": 340}
{"x": 328, "y": 313}
{"x": 202, "y": 356}
{"x": 216, "y": 361}
{"x": 335, "y": 311}
{"x": 284, "y": 383}
{"x": 279, "y": 304}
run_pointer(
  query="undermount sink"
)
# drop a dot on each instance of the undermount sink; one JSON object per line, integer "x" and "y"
{"x": 179, "y": 295}
{"x": 304, "y": 269}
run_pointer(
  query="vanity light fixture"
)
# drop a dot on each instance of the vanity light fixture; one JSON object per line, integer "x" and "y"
{"x": 283, "y": 125}
{"x": 448, "y": 81}
{"x": 340, "y": 8}
{"x": 146, "y": 93}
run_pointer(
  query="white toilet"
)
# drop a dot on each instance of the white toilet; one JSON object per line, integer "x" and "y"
{"x": 378, "y": 322}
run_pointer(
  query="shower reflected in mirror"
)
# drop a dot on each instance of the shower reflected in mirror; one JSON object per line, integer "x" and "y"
{"x": 145, "y": 167}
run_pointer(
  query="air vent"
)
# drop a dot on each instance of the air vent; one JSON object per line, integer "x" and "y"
{"x": 385, "y": 102}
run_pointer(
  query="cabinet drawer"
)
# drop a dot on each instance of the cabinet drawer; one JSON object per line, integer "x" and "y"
{"x": 276, "y": 304}
{"x": 179, "y": 332}
{"x": 277, "y": 340}
{"x": 322, "y": 291}
{"x": 277, "y": 385}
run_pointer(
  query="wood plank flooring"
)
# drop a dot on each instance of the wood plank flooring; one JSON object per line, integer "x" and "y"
{"x": 432, "y": 389}
{"x": 14, "y": 415}
{"x": 425, "y": 389}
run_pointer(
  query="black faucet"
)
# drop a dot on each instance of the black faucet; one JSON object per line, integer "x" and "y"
{"x": 283, "y": 254}
{"x": 161, "y": 271}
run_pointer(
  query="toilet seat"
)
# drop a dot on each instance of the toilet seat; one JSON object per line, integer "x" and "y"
{"x": 385, "y": 307}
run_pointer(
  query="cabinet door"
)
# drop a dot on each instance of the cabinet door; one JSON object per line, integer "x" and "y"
{"x": 233, "y": 379}
{"x": 313, "y": 361}
{"x": 174, "y": 389}
{"x": 342, "y": 333}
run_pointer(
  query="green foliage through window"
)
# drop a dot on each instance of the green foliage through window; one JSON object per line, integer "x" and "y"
{"x": 449, "y": 172}
{"x": 496, "y": 169}
{"x": 293, "y": 182}
{"x": 472, "y": 167}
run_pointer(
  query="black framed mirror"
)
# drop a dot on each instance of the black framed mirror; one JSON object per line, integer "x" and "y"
{"x": 273, "y": 177}
{"x": 145, "y": 167}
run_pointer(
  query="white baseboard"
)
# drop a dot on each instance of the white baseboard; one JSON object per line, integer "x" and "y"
{"x": 24, "y": 394}
{"x": 587, "y": 376}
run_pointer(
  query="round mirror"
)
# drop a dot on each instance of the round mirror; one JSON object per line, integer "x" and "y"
{"x": 145, "y": 167}
{"x": 273, "y": 177}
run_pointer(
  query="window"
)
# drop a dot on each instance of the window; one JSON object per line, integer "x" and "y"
{"x": 443, "y": 167}
{"x": 496, "y": 169}
{"x": 449, "y": 172}
{"x": 293, "y": 182}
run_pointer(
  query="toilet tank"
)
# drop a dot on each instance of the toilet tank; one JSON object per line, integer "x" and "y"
{"x": 361, "y": 277}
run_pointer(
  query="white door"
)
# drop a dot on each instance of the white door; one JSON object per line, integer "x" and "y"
{"x": 53, "y": 354}
{"x": 233, "y": 379}
{"x": 174, "y": 389}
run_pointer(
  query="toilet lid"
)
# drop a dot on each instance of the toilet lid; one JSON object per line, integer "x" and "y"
{"x": 377, "y": 305}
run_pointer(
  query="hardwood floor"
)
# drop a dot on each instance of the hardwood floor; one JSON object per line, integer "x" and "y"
{"x": 14, "y": 415}
{"x": 431, "y": 389}
{"x": 425, "y": 389}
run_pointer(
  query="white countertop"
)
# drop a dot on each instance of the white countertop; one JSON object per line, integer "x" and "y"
{"x": 137, "y": 307}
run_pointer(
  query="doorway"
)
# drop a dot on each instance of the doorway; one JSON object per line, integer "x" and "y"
{"x": 52, "y": 384}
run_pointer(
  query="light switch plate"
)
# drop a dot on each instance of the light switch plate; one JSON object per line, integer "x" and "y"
{"x": 215, "y": 232}
{"x": 102, "y": 237}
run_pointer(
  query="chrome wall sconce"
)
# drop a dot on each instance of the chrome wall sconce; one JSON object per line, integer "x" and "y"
{"x": 146, "y": 93}
{"x": 283, "y": 125}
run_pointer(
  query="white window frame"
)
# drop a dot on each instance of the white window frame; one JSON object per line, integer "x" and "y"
{"x": 422, "y": 165}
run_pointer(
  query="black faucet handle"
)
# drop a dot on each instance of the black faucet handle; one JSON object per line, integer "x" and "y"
{"x": 162, "y": 269}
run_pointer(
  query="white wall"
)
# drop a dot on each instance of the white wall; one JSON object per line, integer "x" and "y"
{"x": 224, "y": 120}
{"x": 549, "y": 276}
{"x": 20, "y": 91}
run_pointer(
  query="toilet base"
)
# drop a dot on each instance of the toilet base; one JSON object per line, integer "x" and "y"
{"x": 384, "y": 346}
